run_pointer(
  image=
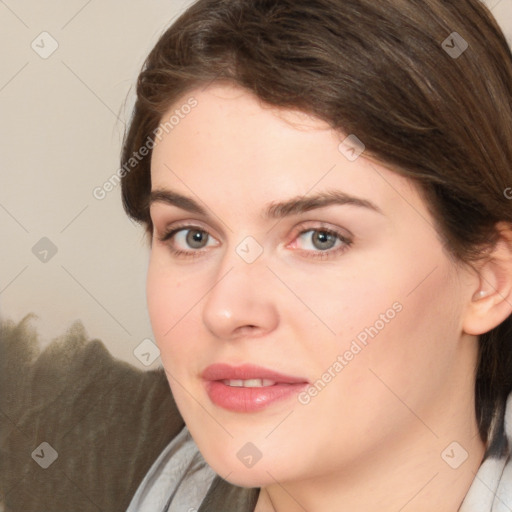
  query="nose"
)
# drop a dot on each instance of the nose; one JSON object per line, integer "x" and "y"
{"x": 241, "y": 303}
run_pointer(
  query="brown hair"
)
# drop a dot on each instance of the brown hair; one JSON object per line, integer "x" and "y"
{"x": 391, "y": 72}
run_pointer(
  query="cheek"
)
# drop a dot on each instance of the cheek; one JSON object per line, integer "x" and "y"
{"x": 391, "y": 321}
{"x": 160, "y": 295}
{"x": 170, "y": 295}
{"x": 410, "y": 354}
{"x": 407, "y": 356}
{"x": 169, "y": 306}
{"x": 340, "y": 305}
{"x": 174, "y": 300}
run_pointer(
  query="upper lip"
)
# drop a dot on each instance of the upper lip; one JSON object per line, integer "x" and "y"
{"x": 222, "y": 371}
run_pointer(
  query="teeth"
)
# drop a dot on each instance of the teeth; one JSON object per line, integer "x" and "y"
{"x": 250, "y": 383}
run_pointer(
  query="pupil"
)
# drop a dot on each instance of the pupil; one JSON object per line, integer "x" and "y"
{"x": 196, "y": 239}
{"x": 323, "y": 240}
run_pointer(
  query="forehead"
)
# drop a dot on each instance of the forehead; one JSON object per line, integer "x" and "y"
{"x": 235, "y": 149}
{"x": 229, "y": 120}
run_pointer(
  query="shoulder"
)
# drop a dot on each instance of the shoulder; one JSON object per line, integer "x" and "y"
{"x": 103, "y": 421}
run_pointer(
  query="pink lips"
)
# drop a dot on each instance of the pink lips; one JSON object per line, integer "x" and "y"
{"x": 240, "y": 398}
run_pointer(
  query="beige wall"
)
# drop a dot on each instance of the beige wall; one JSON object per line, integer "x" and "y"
{"x": 62, "y": 123}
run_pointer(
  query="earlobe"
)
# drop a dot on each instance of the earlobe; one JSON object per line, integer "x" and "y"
{"x": 491, "y": 303}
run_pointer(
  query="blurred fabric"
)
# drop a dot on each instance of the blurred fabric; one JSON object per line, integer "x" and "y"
{"x": 106, "y": 420}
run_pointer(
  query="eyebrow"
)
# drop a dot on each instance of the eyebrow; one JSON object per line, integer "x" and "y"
{"x": 293, "y": 206}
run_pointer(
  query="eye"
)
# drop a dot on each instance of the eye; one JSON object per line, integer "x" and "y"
{"x": 320, "y": 242}
{"x": 184, "y": 241}
{"x": 191, "y": 238}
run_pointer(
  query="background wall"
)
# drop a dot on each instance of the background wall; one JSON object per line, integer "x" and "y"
{"x": 66, "y": 89}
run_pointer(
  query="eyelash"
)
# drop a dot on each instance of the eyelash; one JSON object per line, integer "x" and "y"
{"x": 167, "y": 236}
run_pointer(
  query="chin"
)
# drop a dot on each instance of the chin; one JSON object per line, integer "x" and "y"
{"x": 261, "y": 473}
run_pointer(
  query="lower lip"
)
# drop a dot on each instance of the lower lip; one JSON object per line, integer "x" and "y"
{"x": 239, "y": 399}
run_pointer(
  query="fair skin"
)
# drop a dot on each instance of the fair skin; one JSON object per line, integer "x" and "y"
{"x": 373, "y": 437}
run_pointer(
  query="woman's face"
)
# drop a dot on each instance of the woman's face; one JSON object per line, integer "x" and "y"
{"x": 306, "y": 313}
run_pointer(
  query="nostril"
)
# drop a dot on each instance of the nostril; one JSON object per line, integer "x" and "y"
{"x": 246, "y": 329}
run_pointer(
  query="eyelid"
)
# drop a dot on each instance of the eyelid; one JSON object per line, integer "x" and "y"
{"x": 301, "y": 228}
{"x": 166, "y": 239}
{"x": 167, "y": 215}
{"x": 344, "y": 235}
{"x": 167, "y": 234}
{"x": 174, "y": 227}
{"x": 311, "y": 225}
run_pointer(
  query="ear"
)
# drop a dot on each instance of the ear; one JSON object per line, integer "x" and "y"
{"x": 491, "y": 303}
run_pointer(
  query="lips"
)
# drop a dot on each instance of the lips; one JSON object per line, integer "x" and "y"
{"x": 248, "y": 388}
{"x": 247, "y": 372}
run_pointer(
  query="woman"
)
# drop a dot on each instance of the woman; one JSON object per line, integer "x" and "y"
{"x": 325, "y": 186}
{"x": 330, "y": 281}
